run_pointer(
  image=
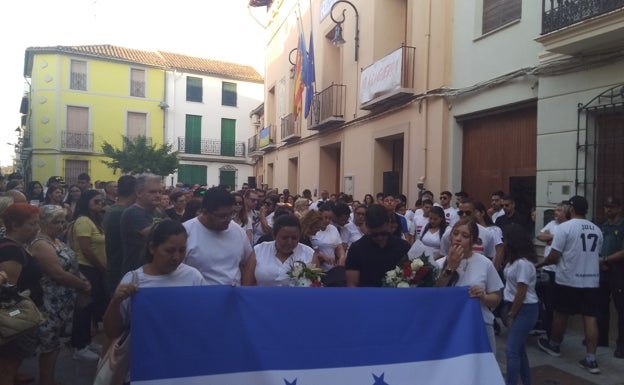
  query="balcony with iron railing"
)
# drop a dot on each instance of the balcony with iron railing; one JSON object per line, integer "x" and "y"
{"x": 213, "y": 147}
{"x": 579, "y": 26}
{"x": 389, "y": 81}
{"x": 76, "y": 141}
{"x": 253, "y": 149}
{"x": 328, "y": 108}
{"x": 266, "y": 138}
{"x": 291, "y": 131}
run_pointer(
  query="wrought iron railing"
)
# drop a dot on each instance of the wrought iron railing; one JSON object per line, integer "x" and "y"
{"x": 78, "y": 141}
{"x": 137, "y": 88}
{"x": 289, "y": 127}
{"x": 78, "y": 81}
{"x": 557, "y": 14}
{"x": 252, "y": 144}
{"x": 329, "y": 103}
{"x": 211, "y": 147}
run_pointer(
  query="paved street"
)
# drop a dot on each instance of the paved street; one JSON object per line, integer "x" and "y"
{"x": 547, "y": 370}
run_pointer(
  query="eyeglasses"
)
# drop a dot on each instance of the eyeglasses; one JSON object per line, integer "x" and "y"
{"x": 377, "y": 234}
{"x": 443, "y": 198}
{"x": 461, "y": 213}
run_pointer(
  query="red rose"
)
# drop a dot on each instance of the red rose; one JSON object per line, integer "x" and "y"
{"x": 421, "y": 273}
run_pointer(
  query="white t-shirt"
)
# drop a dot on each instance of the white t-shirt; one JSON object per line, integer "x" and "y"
{"x": 420, "y": 222}
{"x": 325, "y": 242}
{"x": 486, "y": 244}
{"x": 184, "y": 275}
{"x": 497, "y": 214}
{"x": 270, "y": 271}
{"x": 350, "y": 233}
{"x": 550, "y": 227}
{"x": 217, "y": 254}
{"x": 521, "y": 271}
{"x": 258, "y": 231}
{"x": 478, "y": 270}
{"x": 451, "y": 216}
{"x": 579, "y": 241}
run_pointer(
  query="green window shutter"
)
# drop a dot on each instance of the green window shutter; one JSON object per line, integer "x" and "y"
{"x": 192, "y": 140}
{"x": 192, "y": 174}
{"x": 228, "y": 137}
{"x": 228, "y": 94}
{"x": 228, "y": 178}
{"x": 194, "y": 89}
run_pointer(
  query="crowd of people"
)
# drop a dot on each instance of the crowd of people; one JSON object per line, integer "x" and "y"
{"x": 83, "y": 250}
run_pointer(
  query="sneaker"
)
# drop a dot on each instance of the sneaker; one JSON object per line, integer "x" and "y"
{"x": 590, "y": 366}
{"x": 85, "y": 354}
{"x": 95, "y": 348}
{"x": 545, "y": 345}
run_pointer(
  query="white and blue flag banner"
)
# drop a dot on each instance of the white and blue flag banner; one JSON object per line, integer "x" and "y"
{"x": 221, "y": 335}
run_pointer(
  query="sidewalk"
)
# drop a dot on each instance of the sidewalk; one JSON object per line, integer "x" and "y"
{"x": 546, "y": 370}
{"x": 565, "y": 370}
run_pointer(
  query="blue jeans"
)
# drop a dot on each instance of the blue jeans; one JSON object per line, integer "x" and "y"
{"x": 515, "y": 350}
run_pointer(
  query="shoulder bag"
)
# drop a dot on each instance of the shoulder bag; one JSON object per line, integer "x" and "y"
{"x": 114, "y": 366}
{"x": 18, "y": 313}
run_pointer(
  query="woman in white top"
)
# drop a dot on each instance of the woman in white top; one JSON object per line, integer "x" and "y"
{"x": 520, "y": 301}
{"x": 463, "y": 267}
{"x": 240, "y": 215}
{"x": 484, "y": 220}
{"x": 327, "y": 241}
{"x": 430, "y": 236}
{"x": 275, "y": 259}
{"x": 166, "y": 249}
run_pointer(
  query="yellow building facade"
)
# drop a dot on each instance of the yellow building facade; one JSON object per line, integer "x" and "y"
{"x": 81, "y": 97}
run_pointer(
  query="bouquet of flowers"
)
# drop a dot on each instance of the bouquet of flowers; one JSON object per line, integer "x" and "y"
{"x": 303, "y": 275}
{"x": 415, "y": 273}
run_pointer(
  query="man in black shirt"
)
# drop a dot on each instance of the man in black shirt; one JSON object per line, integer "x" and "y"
{"x": 376, "y": 252}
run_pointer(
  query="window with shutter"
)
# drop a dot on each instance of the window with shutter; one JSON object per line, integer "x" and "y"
{"x": 497, "y": 13}
{"x": 228, "y": 94}
{"x": 137, "y": 83}
{"x": 78, "y": 75}
{"x": 194, "y": 89}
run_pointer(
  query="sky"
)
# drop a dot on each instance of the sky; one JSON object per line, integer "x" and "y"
{"x": 216, "y": 29}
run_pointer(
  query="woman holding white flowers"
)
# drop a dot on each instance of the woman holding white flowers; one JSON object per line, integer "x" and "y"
{"x": 276, "y": 258}
{"x": 463, "y": 267}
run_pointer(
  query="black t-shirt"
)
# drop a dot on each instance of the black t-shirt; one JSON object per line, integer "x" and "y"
{"x": 31, "y": 269}
{"x": 373, "y": 261}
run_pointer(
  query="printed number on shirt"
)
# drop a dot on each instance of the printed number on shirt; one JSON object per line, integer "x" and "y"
{"x": 587, "y": 238}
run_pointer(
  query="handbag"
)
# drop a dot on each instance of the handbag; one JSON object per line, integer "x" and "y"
{"x": 18, "y": 313}
{"x": 114, "y": 366}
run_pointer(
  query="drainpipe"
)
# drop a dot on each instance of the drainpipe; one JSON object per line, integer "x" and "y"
{"x": 424, "y": 135}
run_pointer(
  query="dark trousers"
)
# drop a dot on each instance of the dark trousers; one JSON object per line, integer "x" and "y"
{"x": 544, "y": 291}
{"x": 93, "y": 312}
{"x": 611, "y": 287}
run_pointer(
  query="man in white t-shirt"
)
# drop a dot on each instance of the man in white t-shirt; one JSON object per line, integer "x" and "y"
{"x": 545, "y": 292}
{"x": 486, "y": 243}
{"x": 496, "y": 205}
{"x": 450, "y": 212}
{"x": 575, "y": 250}
{"x": 216, "y": 245}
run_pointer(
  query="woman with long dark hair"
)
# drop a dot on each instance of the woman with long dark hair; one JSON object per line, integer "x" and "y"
{"x": 521, "y": 302}
{"x": 430, "y": 237}
{"x": 34, "y": 193}
{"x": 86, "y": 238}
{"x": 240, "y": 215}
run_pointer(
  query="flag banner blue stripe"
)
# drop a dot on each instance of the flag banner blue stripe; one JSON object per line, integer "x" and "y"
{"x": 212, "y": 330}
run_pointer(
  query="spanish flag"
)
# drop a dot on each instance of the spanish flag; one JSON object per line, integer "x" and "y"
{"x": 299, "y": 71}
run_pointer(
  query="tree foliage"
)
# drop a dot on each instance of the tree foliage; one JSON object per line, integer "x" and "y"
{"x": 138, "y": 156}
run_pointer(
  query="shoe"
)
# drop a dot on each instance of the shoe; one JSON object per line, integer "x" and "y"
{"x": 545, "y": 345}
{"x": 590, "y": 366}
{"x": 95, "y": 348}
{"x": 85, "y": 354}
{"x": 618, "y": 353}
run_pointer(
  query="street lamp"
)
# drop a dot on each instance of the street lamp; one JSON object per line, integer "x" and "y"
{"x": 338, "y": 40}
